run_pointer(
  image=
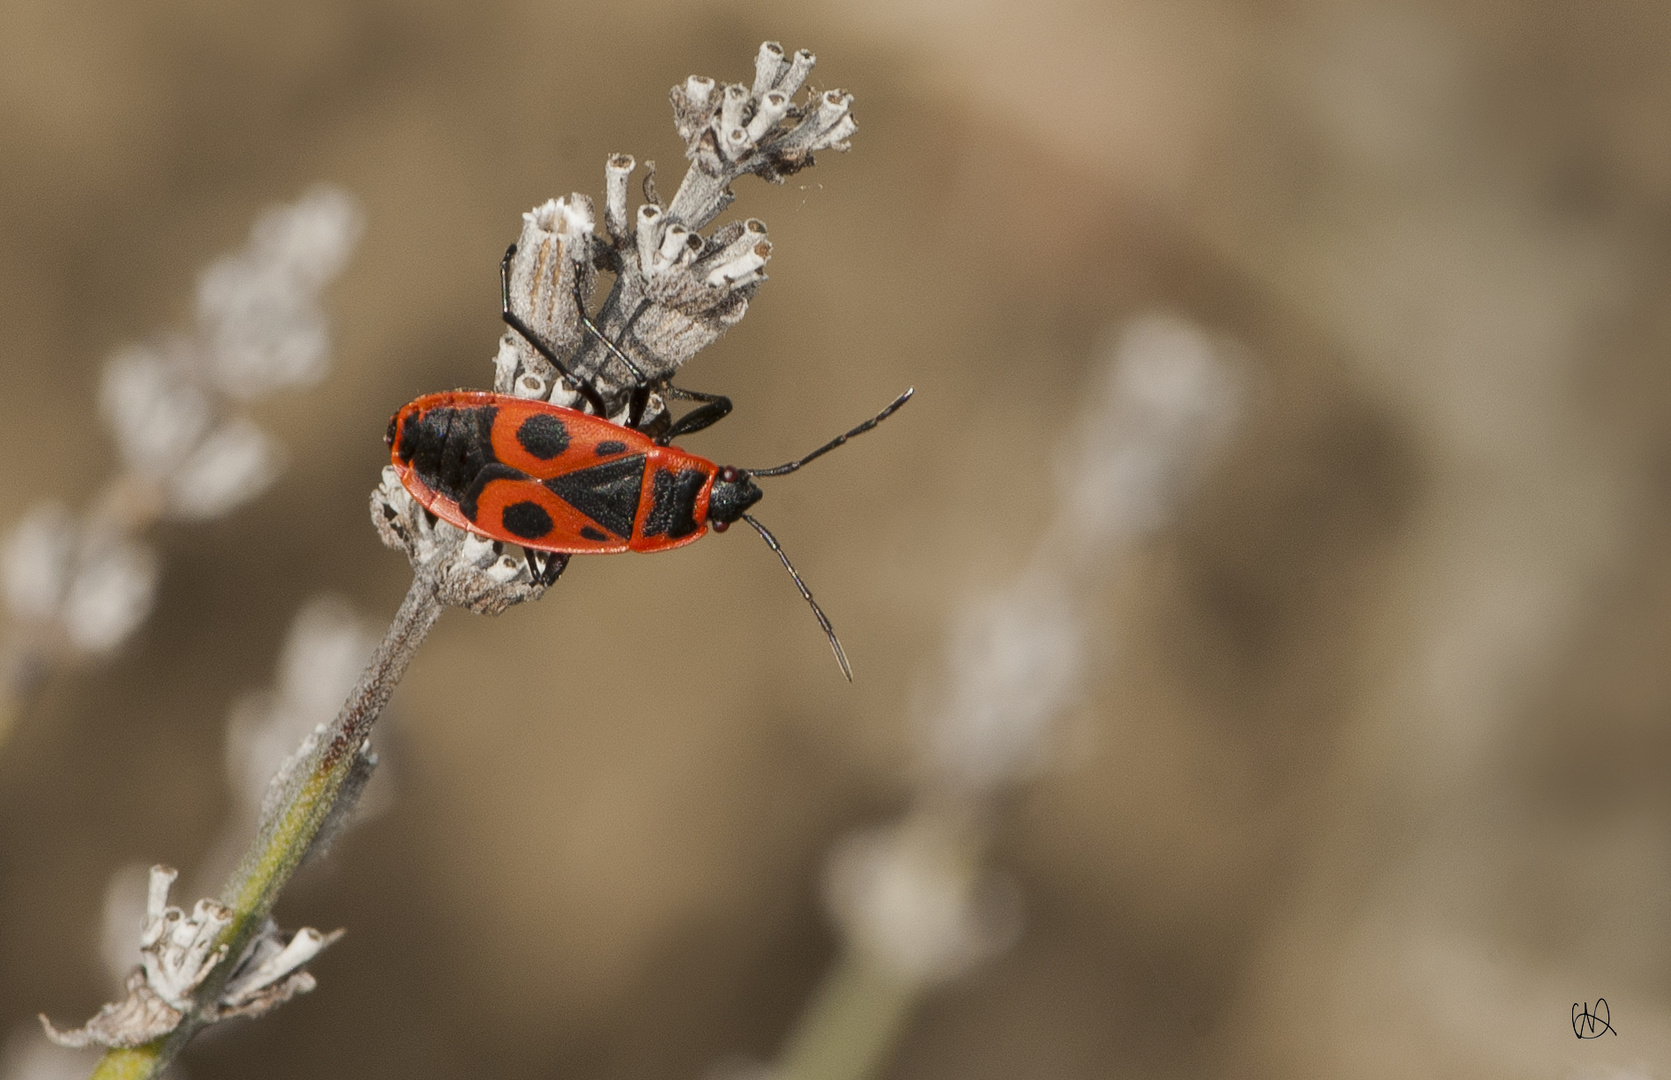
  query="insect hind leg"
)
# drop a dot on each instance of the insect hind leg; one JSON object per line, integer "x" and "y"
{"x": 714, "y": 407}
{"x": 639, "y": 399}
{"x": 639, "y": 379}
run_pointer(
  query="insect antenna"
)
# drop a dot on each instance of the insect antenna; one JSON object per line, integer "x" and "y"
{"x": 783, "y": 470}
{"x": 806, "y": 594}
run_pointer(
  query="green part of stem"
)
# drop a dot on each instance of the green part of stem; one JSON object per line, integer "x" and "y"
{"x": 135, "y": 1064}
{"x": 849, "y": 1028}
{"x": 288, "y": 832}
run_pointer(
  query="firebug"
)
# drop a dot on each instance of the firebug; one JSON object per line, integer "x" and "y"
{"x": 563, "y": 481}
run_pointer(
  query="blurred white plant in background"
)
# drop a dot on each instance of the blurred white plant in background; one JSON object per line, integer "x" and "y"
{"x": 29, "y": 1055}
{"x": 912, "y": 900}
{"x": 1164, "y": 402}
{"x": 328, "y": 646}
{"x": 77, "y": 585}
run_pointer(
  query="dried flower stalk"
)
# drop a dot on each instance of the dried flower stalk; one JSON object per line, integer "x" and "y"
{"x": 306, "y": 799}
{"x": 675, "y": 291}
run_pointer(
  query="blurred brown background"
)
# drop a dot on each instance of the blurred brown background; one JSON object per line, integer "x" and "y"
{"x": 1372, "y": 781}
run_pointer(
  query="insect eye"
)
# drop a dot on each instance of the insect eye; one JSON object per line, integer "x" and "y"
{"x": 728, "y": 474}
{"x": 721, "y": 526}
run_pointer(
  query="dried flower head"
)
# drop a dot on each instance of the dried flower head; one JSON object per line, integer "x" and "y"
{"x": 1163, "y": 404}
{"x": 178, "y": 954}
{"x": 737, "y": 129}
{"x": 172, "y": 406}
{"x": 674, "y": 292}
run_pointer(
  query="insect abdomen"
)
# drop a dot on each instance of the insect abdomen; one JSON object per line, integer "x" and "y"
{"x": 448, "y": 446}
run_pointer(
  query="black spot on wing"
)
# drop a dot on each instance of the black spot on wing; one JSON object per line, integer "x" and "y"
{"x": 606, "y": 493}
{"x": 609, "y": 446}
{"x": 527, "y": 520}
{"x": 673, "y": 503}
{"x": 543, "y": 436}
{"x": 593, "y": 534}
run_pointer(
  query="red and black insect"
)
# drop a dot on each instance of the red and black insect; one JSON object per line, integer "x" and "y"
{"x": 562, "y": 481}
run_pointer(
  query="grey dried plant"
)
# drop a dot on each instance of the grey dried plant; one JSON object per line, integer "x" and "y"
{"x": 675, "y": 290}
{"x": 76, "y": 585}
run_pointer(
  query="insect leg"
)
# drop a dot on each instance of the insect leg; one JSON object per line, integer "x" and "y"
{"x": 514, "y": 321}
{"x": 638, "y": 376}
{"x": 714, "y": 408}
{"x": 555, "y": 562}
{"x": 636, "y": 405}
